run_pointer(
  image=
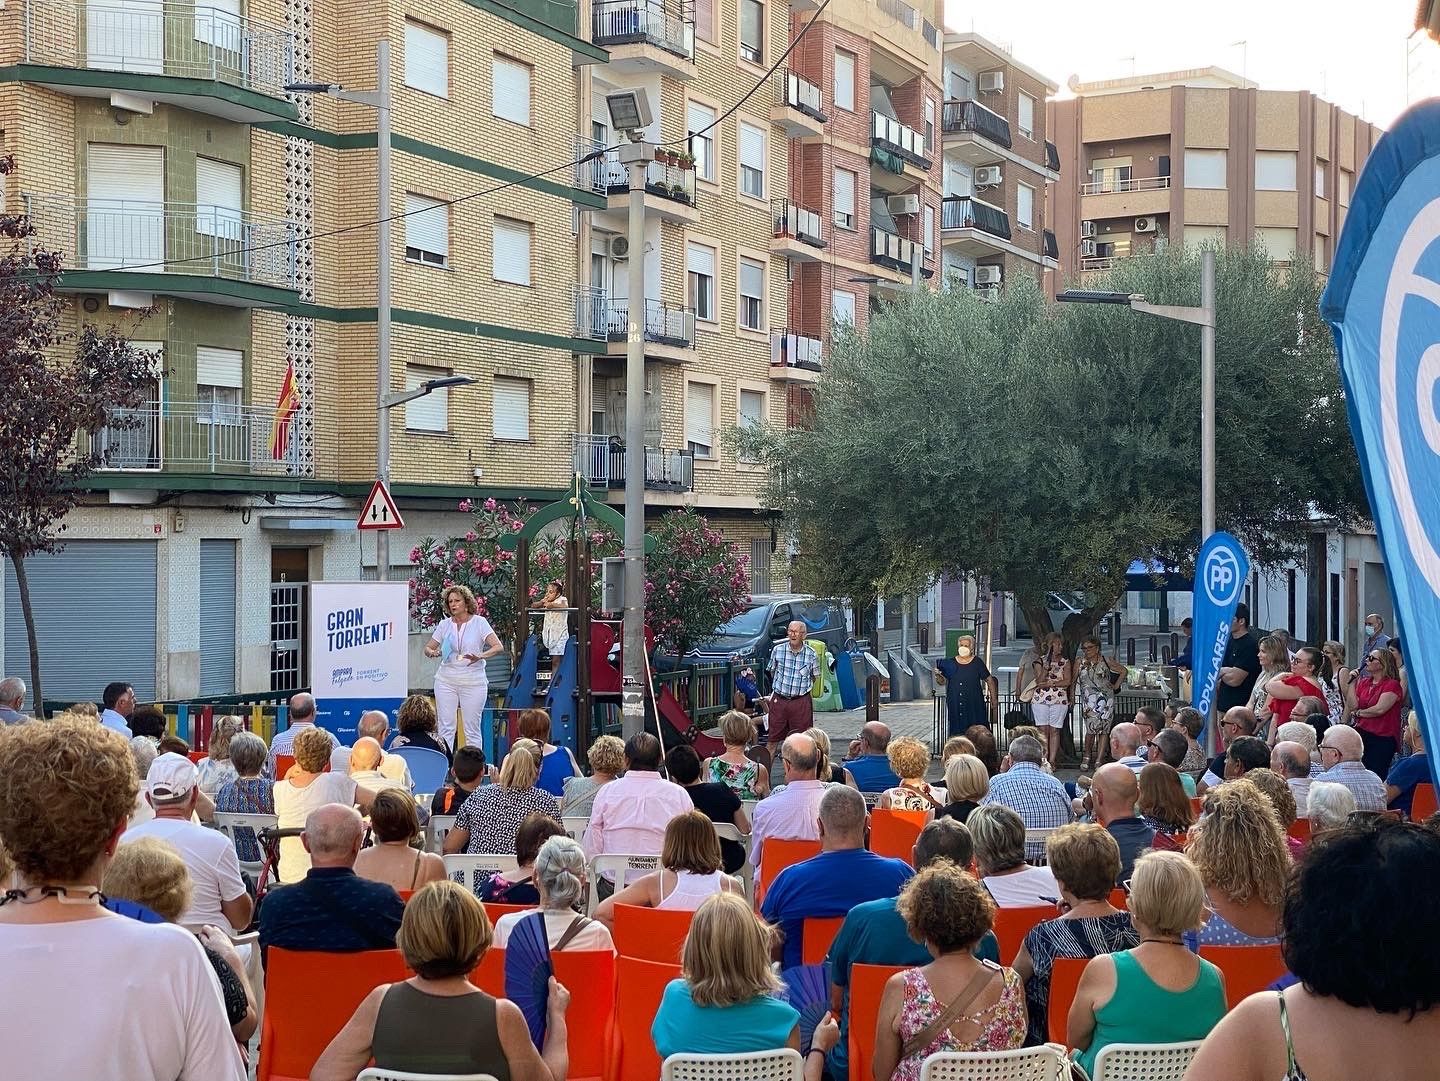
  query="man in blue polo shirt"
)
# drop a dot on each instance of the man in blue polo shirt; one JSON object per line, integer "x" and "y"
{"x": 871, "y": 768}
{"x": 832, "y": 883}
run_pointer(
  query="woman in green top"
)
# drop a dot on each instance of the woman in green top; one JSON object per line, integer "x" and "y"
{"x": 1159, "y": 992}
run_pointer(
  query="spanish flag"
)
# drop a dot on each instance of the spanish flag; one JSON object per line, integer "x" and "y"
{"x": 286, "y": 406}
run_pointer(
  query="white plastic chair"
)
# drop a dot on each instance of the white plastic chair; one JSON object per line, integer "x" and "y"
{"x": 626, "y": 868}
{"x": 1037, "y": 837}
{"x": 1144, "y": 1061}
{"x": 469, "y": 870}
{"x": 575, "y": 826}
{"x": 782, "y": 1065}
{"x": 227, "y": 822}
{"x": 749, "y": 805}
{"x": 435, "y": 831}
{"x": 727, "y": 831}
{"x": 375, "y": 1073}
{"x": 1048, "y": 1062}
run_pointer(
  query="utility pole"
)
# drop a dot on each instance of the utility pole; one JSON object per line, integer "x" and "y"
{"x": 1207, "y": 395}
{"x": 382, "y": 291}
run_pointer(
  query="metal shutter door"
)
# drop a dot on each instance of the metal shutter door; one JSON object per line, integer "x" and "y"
{"x": 113, "y": 639}
{"x": 512, "y": 409}
{"x": 125, "y": 211}
{"x": 217, "y": 617}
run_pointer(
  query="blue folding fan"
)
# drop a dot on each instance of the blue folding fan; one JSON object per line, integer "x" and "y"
{"x": 807, "y": 988}
{"x": 528, "y": 971}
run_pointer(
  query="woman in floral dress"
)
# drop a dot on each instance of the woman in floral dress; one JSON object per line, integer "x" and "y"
{"x": 740, "y": 774}
{"x": 1096, "y": 677}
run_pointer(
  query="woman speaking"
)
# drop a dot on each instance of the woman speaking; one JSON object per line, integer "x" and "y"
{"x": 463, "y": 642}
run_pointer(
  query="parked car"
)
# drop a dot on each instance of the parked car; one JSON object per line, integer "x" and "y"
{"x": 749, "y": 635}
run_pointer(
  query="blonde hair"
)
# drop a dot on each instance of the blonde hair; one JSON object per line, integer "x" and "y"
{"x": 1166, "y": 893}
{"x": 726, "y": 959}
{"x": 966, "y": 778}
{"x": 465, "y": 595}
{"x": 909, "y": 758}
{"x": 150, "y": 872}
{"x": 607, "y": 755}
{"x": 999, "y": 836}
{"x": 444, "y": 931}
{"x": 312, "y": 749}
{"x": 1238, "y": 845}
{"x": 737, "y": 729}
{"x": 691, "y": 844}
{"x": 226, "y": 728}
{"x": 522, "y": 765}
{"x": 956, "y": 745}
{"x": 84, "y": 709}
{"x": 822, "y": 744}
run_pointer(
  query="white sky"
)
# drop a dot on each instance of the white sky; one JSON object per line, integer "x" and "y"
{"x": 1358, "y": 55}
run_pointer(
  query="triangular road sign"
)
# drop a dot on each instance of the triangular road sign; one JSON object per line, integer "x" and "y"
{"x": 380, "y": 511}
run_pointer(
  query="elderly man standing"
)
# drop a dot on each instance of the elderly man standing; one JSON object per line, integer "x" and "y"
{"x": 1237, "y": 721}
{"x": 844, "y": 875}
{"x": 1341, "y": 751}
{"x": 1037, "y": 797}
{"x": 12, "y": 700}
{"x": 1292, "y": 761}
{"x": 1375, "y": 636}
{"x": 871, "y": 767}
{"x": 793, "y": 669}
{"x": 1114, "y": 794}
{"x": 301, "y": 714}
{"x": 630, "y": 814}
{"x": 791, "y": 812}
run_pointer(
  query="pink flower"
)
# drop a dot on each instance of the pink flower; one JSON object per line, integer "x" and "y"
{"x": 415, "y": 555}
{"x": 471, "y": 535}
{"x": 489, "y": 504}
{"x": 486, "y": 567}
{"x": 449, "y": 582}
{"x": 542, "y": 560}
{"x": 460, "y": 555}
{"x": 516, "y": 526}
{"x": 534, "y": 591}
{"x": 465, "y": 504}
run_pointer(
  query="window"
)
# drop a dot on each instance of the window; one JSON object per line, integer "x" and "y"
{"x": 1201, "y": 236}
{"x": 1279, "y": 244}
{"x": 752, "y": 294}
{"x": 752, "y": 161}
{"x": 510, "y": 90}
{"x": 1274, "y": 171}
{"x": 929, "y": 123}
{"x": 1319, "y": 180}
{"x": 844, "y": 196}
{"x": 700, "y": 281}
{"x": 752, "y": 31}
{"x": 699, "y": 118}
{"x": 1204, "y": 168}
{"x": 430, "y": 412}
{"x": 700, "y": 419}
{"x": 842, "y": 308}
{"x": 427, "y": 230}
{"x": 958, "y": 85}
{"x": 512, "y": 251}
{"x": 752, "y": 414}
{"x": 844, "y": 80}
{"x": 511, "y": 414}
{"x": 705, "y": 21}
{"x": 219, "y": 382}
{"x": 928, "y": 217}
{"x": 219, "y": 199}
{"x": 1342, "y": 193}
{"x": 427, "y": 59}
{"x": 1024, "y": 206}
{"x": 1321, "y": 262}
{"x": 1025, "y": 115}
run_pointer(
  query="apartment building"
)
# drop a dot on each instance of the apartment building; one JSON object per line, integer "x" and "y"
{"x": 998, "y": 164}
{"x": 1196, "y": 157}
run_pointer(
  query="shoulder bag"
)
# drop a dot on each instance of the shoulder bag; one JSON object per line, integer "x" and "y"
{"x": 927, "y": 1035}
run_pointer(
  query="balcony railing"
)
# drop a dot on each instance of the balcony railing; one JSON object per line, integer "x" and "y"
{"x": 590, "y": 312}
{"x": 600, "y": 459}
{"x": 172, "y": 238}
{"x": 803, "y": 224}
{"x": 665, "y": 324}
{"x": 898, "y": 138}
{"x": 1050, "y": 249}
{"x": 197, "y": 42}
{"x": 626, "y": 22}
{"x": 968, "y": 212}
{"x": 789, "y": 349}
{"x": 1103, "y": 262}
{"x": 1052, "y": 157}
{"x": 608, "y": 175}
{"x": 1135, "y": 183}
{"x": 798, "y": 93}
{"x": 962, "y": 116}
{"x": 890, "y": 250}
{"x": 189, "y": 437}
{"x": 901, "y": 12}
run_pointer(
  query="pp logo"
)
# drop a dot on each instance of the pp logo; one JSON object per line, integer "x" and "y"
{"x": 1408, "y": 420}
{"x": 1221, "y": 576}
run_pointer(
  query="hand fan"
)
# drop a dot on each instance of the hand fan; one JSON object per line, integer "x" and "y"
{"x": 528, "y": 971}
{"x": 807, "y": 988}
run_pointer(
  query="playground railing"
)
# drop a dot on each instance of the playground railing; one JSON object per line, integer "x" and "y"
{"x": 705, "y": 690}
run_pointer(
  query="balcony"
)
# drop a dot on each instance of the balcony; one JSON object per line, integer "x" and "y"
{"x": 591, "y": 318}
{"x": 797, "y": 108}
{"x": 199, "y": 252}
{"x": 1052, "y": 157}
{"x": 799, "y": 231}
{"x": 1115, "y": 197}
{"x": 600, "y": 459}
{"x": 135, "y": 55}
{"x": 968, "y": 212}
{"x": 644, "y": 37}
{"x": 794, "y": 357}
{"x": 669, "y": 329}
{"x": 896, "y": 252}
{"x": 189, "y": 437}
{"x": 973, "y": 133}
{"x": 669, "y": 186}
{"x": 888, "y": 134}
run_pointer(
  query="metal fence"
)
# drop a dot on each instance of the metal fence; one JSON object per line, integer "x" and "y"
{"x": 619, "y": 22}
{"x": 209, "y": 437}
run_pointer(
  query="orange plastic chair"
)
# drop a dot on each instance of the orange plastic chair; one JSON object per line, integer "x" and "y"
{"x": 1247, "y": 969}
{"x": 308, "y": 998}
{"x": 489, "y": 974}
{"x": 283, "y": 762}
{"x": 893, "y": 833}
{"x": 405, "y": 895}
{"x": 495, "y": 909}
{"x": 819, "y": 932}
{"x": 640, "y": 986}
{"x": 651, "y": 934}
{"x": 867, "y": 985}
{"x": 1300, "y": 830}
{"x": 1197, "y": 804}
{"x": 589, "y": 976}
{"x": 778, "y": 853}
{"x": 1013, "y": 924}
{"x": 1119, "y": 899}
{"x": 1423, "y": 804}
{"x": 198, "y": 756}
{"x": 1065, "y": 975}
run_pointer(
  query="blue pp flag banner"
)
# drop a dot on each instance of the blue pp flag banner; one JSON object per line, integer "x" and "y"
{"x": 1220, "y": 573}
{"x": 1383, "y": 302}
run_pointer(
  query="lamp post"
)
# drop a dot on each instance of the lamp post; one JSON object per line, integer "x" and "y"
{"x": 379, "y": 100}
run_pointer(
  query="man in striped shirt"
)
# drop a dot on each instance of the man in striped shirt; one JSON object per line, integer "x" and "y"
{"x": 793, "y": 669}
{"x": 302, "y": 712}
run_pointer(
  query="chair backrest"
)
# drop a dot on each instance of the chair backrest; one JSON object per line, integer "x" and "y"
{"x": 624, "y": 867}
{"x": 867, "y": 984}
{"x": 1119, "y": 898}
{"x": 375, "y": 1073}
{"x": 640, "y": 986}
{"x": 496, "y": 909}
{"x": 1423, "y": 804}
{"x": 283, "y": 762}
{"x": 1153, "y": 1061}
{"x": 651, "y": 934}
{"x": 778, "y": 853}
{"x": 227, "y": 822}
{"x": 819, "y": 932}
{"x": 197, "y": 756}
{"x": 309, "y": 998}
{"x": 1013, "y": 924}
{"x": 1065, "y": 975}
{"x": 1044, "y": 1063}
{"x": 471, "y": 870}
{"x": 575, "y": 826}
{"x": 894, "y": 832}
{"x": 1247, "y": 969}
{"x": 1299, "y": 829}
{"x": 428, "y": 768}
{"x": 727, "y": 831}
{"x": 589, "y": 976}
{"x": 1038, "y": 837}
{"x": 436, "y": 830}
{"x": 782, "y": 1065}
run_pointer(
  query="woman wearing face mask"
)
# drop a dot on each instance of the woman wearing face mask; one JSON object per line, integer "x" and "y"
{"x": 965, "y": 679}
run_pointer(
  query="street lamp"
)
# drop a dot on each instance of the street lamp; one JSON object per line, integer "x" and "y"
{"x": 379, "y": 100}
{"x": 400, "y": 397}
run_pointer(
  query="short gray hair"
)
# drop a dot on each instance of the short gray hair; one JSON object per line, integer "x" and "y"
{"x": 247, "y": 752}
{"x": 144, "y": 750}
{"x": 1293, "y": 759}
{"x": 999, "y": 836}
{"x": 12, "y": 689}
{"x": 374, "y": 723}
{"x": 804, "y": 752}
{"x": 842, "y": 810}
{"x": 1328, "y": 805}
{"x": 1301, "y": 732}
{"x": 1172, "y": 746}
{"x": 560, "y": 871}
{"x": 1027, "y": 749}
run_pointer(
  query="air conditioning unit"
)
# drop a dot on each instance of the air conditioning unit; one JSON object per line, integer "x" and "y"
{"x": 1144, "y": 225}
{"x": 1087, "y": 249}
{"x": 903, "y": 204}
{"x": 987, "y": 176}
{"x": 619, "y": 247}
{"x": 1087, "y": 228}
{"x": 987, "y": 275}
{"x": 992, "y": 82}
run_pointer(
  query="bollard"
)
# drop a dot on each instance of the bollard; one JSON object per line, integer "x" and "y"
{"x": 872, "y": 699}
{"x": 1153, "y": 655}
{"x": 1130, "y": 652}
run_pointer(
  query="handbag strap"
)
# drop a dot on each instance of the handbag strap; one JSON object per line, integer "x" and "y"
{"x": 577, "y": 925}
{"x": 927, "y": 1035}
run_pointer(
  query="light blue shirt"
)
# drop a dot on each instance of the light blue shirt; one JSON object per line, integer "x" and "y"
{"x": 111, "y": 719}
{"x": 681, "y": 1027}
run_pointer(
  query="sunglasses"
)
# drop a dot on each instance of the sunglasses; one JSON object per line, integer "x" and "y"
{"x": 1151, "y": 744}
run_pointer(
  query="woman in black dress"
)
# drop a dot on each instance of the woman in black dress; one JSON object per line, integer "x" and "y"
{"x": 965, "y": 679}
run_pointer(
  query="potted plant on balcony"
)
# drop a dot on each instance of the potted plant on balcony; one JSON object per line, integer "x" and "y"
{"x": 665, "y": 156}
{"x": 686, "y": 160}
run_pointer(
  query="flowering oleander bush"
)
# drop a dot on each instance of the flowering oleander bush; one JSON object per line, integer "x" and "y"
{"x": 696, "y": 581}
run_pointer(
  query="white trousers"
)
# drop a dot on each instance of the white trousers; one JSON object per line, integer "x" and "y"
{"x": 463, "y": 691}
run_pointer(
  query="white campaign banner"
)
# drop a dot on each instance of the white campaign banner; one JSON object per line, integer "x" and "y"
{"x": 359, "y": 659}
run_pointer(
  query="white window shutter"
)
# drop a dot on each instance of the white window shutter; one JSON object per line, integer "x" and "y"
{"x": 512, "y": 251}
{"x": 700, "y": 417}
{"x": 511, "y": 85}
{"x": 752, "y": 279}
{"x": 752, "y": 408}
{"x": 752, "y": 147}
{"x": 701, "y": 259}
{"x": 427, "y": 224}
{"x": 845, "y": 81}
{"x": 844, "y": 188}
{"x": 512, "y": 408}
{"x": 219, "y": 198}
{"x": 427, "y": 59}
{"x": 842, "y": 307}
{"x": 219, "y": 367}
{"x": 130, "y": 173}
{"x": 430, "y": 412}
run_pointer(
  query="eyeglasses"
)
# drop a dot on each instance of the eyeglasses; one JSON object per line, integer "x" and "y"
{"x": 1328, "y": 747}
{"x": 1151, "y": 744}
{"x": 1228, "y": 724}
